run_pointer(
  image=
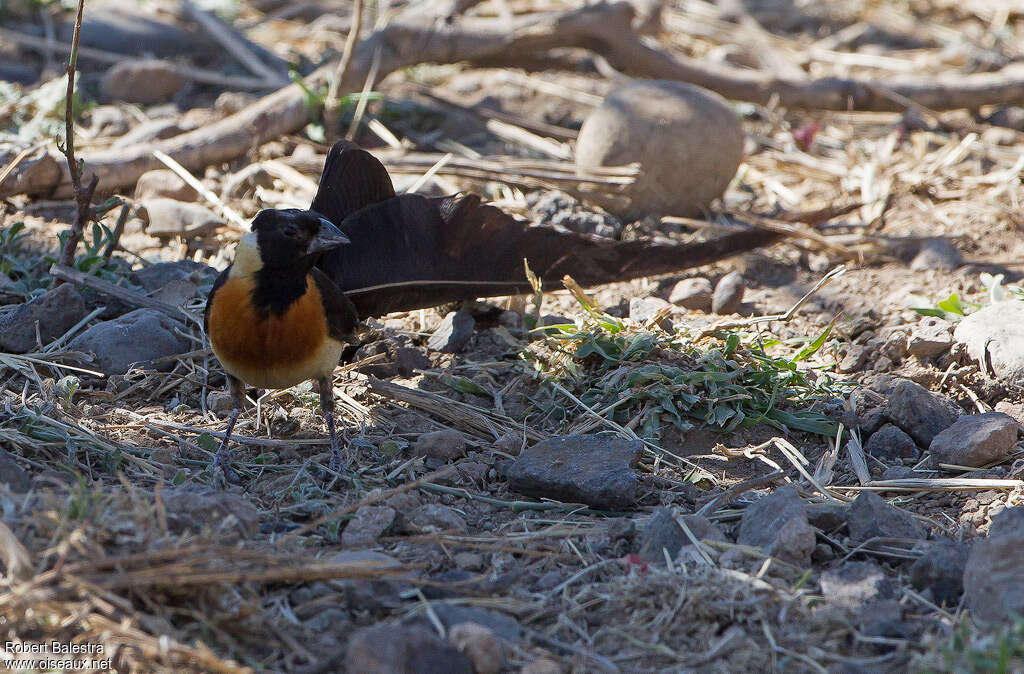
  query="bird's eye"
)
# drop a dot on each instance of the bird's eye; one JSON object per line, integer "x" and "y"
{"x": 291, "y": 231}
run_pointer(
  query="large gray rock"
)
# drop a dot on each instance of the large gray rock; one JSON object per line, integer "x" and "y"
{"x": 994, "y": 337}
{"x": 157, "y": 276}
{"x": 125, "y": 28}
{"x": 870, "y": 516}
{"x": 688, "y": 141}
{"x": 405, "y": 650}
{"x": 56, "y": 311}
{"x": 919, "y": 412}
{"x": 454, "y": 332}
{"x": 196, "y": 509}
{"x": 143, "y": 82}
{"x": 940, "y": 570}
{"x": 889, "y": 443}
{"x": 855, "y": 584}
{"x": 170, "y": 218}
{"x": 976, "y": 440}
{"x": 930, "y": 337}
{"x": 164, "y": 183}
{"x": 446, "y": 445}
{"x": 728, "y": 295}
{"x": 593, "y": 469}
{"x": 692, "y": 293}
{"x": 778, "y": 524}
{"x": 369, "y": 523}
{"x": 138, "y": 337}
{"x": 992, "y": 587}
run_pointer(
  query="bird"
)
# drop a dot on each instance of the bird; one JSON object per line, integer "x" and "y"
{"x": 284, "y": 310}
{"x": 275, "y": 320}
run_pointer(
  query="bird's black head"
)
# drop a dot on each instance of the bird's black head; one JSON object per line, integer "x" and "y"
{"x": 291, "y": 237}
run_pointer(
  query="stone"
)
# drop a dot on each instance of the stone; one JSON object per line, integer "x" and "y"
{"x": 244, "y": 183}
{"x": 826, "y": 517}
{"x": 452, "y": 614}
{"x": 372, "y": 593}
{"x": 976, "y": 440}
{"x": 190, "y": 509}
{"x": 370, "y": 523}
{"x": 937, "y": 254}
{"x": 164, "y": 183}
{"x": 12, "y": 475}
{"x": 454, "y": 332}
{"x": 169, "y": 218}
{"x": 108, "y": 120}
{"x": 1009, "y": 116}
{"x": 39, "y": 167}
{"x": 856, "y": 584}
{"x": 596, "y": 470}
{"x": 660, "y": 124}
{"x": 728, "y": 295}
{"x": 777, "y": 523}
{"x": 145, "y": 82}
{"x": 919, "y": 412}
{"x": 177, "y": 293}
{"x": 994, "y": 338}
{"x": 692, "y": 293}
{"x": 644, "y": 309}
{"x": 148, "y": 131}
{"x": 992, "y": 588}
{"x": 156, "y": 276}
{"x": 399, "y": 648}
{"x": 931, "y": 337}
{"x": 661, "y": 534}
{"x": 431, "y": 517}
{"x": 18, "y": 73}
{"x": 483, "y": 648}
{"x": 940, "y": 569}
{"x": 871, "y": 516}
{"x": 138, "y": 337}
{"x": 446, "y": 445}
{"x": 853, "y": 359}
{"x": 122, "y": 28}
{"x": 408, "y": 359}
{"x": 56, "y": 311}
{"x": 889, "y": 443}
{"x": 541, "y": 666}
{"x": 562, "y": 210}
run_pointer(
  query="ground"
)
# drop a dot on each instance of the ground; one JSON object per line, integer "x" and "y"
{"x": 125, "y": 537}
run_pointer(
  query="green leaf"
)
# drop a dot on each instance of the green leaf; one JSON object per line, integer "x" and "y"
{"x": 813, "y": 347}
{"x": 207, "y": 442}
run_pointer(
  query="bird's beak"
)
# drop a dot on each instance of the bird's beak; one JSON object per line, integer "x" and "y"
{"x": 327, "y": 238}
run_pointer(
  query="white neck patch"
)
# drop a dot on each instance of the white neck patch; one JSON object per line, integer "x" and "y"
{"x": 247, "y": 257}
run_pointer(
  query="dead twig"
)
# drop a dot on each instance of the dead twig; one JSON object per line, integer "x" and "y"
{"x": 332, "y": 105}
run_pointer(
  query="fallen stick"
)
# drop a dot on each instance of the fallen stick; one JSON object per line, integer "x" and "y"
{"x": 126, "y": 295}
{"x": 606, "y": 28}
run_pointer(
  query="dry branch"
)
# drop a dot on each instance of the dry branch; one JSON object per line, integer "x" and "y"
{"x": 414, "y": 37}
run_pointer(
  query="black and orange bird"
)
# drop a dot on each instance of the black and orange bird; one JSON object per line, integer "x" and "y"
{"x": 274, "y": 320}
{"x": 300, "y": 282}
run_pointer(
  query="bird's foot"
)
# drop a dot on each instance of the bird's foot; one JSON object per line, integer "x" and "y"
{"x": 222, "y": 460}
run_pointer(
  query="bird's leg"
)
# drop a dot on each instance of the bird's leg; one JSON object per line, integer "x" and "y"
{"x": 222, "y": 458}
{"x": 327, "y": 407}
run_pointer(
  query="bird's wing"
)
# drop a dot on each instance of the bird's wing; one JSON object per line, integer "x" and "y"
{"x": 411, "y": 251}
{"x": 352, "y": 179}
{"x": 221, "y": 278}
{"x": 342, "y": 320}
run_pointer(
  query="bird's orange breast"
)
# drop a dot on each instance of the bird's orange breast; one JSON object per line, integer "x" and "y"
{"x": 274, "y": 350}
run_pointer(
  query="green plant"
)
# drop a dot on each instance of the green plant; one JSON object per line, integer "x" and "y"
{"x": 971, "y": 650}
{"x": 725, "y": 382}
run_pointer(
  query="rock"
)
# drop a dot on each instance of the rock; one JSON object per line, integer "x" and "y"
{"x": 593, "y": 469}
{"x": 408, "y": 359}
{"x": 108, "y": 120}
{"x": 929, "y": 338}
{"x": 446, "y": 445}
{"x": 405, "y": 650}
{"x": 941, "y": 570}
{"x": 994, "y": 337}
{"x": 156, "y": 276}
{"x": 889, "y": 444}
{"x": 855, "y": 584}
{"x": 431, "y": 517}
{"x": 145, "y": 82}
{"x": 562, "y": 210}
{"x": 938, "y": 254}
{"x": 18, "y": 73}
{"x": 644, "y": 309}
{"x": 992, "y": 588}
{"x": 692, "y": 293}
{"x": 853, "y": 359}
{"x": 368, "y": 594}
{"x": 126, "y": 29}
{"x": 919, "y": 412}
{"x": 870, "y": 516}
{"x": 454, "y": 332}
{"x": 244, "y": 183}
{"x": 485, "y": 650}
{"x": 661, "y": 534}
{"x": 728, "y": 294}
{"x": 1009, "y": 116}
{"x": 661, "y": 124}
{"x": 778, "y": 524}
{"x": 169, "y": 218}
{"x": 370, "y": 523}
{"x": 541, "y": 666}
{"x": 164, "y": 183}
{"x": 177, "y": 293}
{"x": 39, "y": 167}
{"x": 56, "y": 311}
{"x": 451, "y": 614}
{"x": 13, "y": 475}
{"x": 224, "y": 512}
{"x": 976, "y": 440}
{"x": 137, "y": 337}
